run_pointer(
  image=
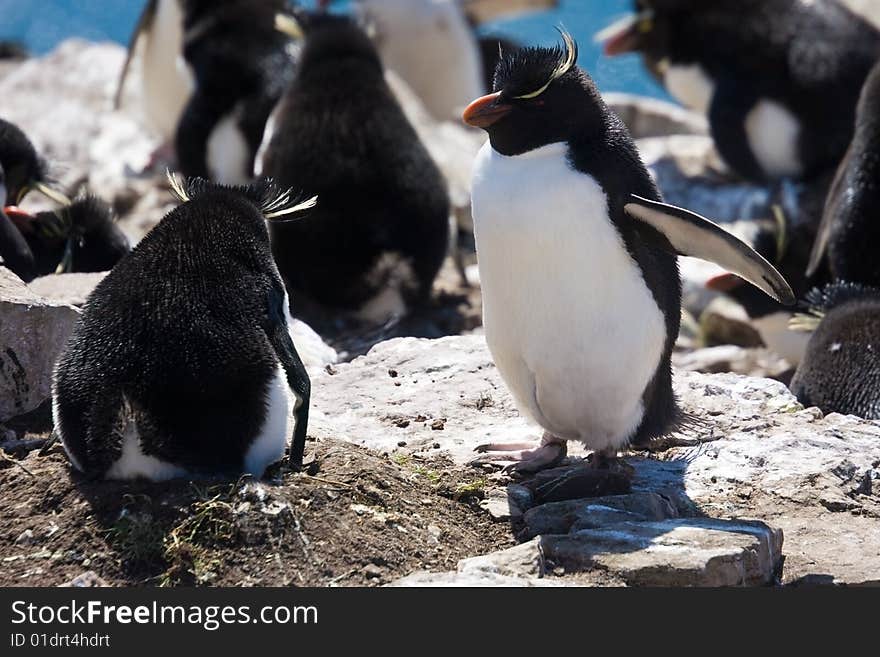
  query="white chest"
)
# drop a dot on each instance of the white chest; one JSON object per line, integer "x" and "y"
{"x": 574, "y": 330}
{"x": 691, "y": 86}
{"x": 773, "y": 133}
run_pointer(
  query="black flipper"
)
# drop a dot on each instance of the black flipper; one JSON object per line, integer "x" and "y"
{"x": 14, "y": 249}
{"x": 688, "y": 234}
{"x": 731, "y": 103}
{"x": 297, "y": 376}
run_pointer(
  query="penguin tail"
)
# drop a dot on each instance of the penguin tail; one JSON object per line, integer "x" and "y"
{"x": 686, "y": 430}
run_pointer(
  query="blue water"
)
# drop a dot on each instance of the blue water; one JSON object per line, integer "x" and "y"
{"x": 42, "y": 24}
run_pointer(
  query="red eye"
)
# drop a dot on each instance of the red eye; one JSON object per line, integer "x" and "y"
{"x": 538, "y": 101}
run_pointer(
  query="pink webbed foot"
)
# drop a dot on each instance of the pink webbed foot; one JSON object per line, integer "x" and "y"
{"x": 524, "y": 457}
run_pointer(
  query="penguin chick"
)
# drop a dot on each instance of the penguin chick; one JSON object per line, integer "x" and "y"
{"x": 374, "y": 244}
{"x": 778, "y": 81}
{"x": 850, "y": 231}
{"x": 577, "y": 258}
{"x": 21, "y": 171}
{"x": 840, "y": 372}
{"x": 81, "y": 237}
{"x": 181, "y": 361}
{"x": 241, "y": 65}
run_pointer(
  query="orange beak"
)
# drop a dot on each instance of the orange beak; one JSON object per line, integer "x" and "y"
{"x": 486, "y": 111}
{"x": 21, "y": 219}
{"x": 724, "y": 283}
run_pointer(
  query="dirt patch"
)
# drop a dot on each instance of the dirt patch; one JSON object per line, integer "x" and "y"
{"x": 353, "y": 519}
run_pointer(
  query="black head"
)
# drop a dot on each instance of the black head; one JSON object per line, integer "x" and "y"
{"x": 541, "y": 97}
{"x": 660, "y": 29}
{"x": 23, "y": 167}
{"x": 332, "y": 37}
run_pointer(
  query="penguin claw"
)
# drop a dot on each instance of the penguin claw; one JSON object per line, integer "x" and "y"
{"x": 522, "y": 458}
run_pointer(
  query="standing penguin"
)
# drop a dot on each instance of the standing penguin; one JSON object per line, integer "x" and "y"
{"x": 80, "y": 237}
{"x": 181, "y": 361}
{"x": 850, "y": 229}
{"x": 166, "y": 83}
{"x": 375, "y": 242}
{"x": 840, "y": 372}
{"x": 577, "y": 258}
{"x": 241, "y": 65}
{"x": 21, "y": 171}
{"x": 778, "y": 81}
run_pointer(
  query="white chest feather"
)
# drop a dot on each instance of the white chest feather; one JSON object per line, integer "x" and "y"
{"x": 691, "y": 86}
{"x": 791, "y": 345}
{"x": 167, "y": 82}
{"x": 773, "y": 133}
{"x": 430, "y": 45}
{"x": 228, "y": 153}
{"x": 573, "y": 329}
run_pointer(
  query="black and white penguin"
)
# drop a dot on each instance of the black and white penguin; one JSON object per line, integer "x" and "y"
{"x": 80, "y": 237}
{"x": 840, "y": 372}
{"x": 577, "y": 258}
{"x": 778, "y": 81}
{"x": 850, "y": 231}
{"x": 241, "y": 65}
{"x": 181, "y": 362}
{"x": 22, "y": 170}
{"x": 378, "y": 236}
{"x": 166, "y": 82}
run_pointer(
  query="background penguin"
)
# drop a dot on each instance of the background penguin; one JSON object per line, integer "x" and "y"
{"x": 850, "y": 229}
{"x": 80, "y": 237}
{"x": 577, "y": 257}
{"x": 779, "y": 81}
{"x": 166, "y": 83}
{"x": 375, "y": 242}
{"x": 181, "y": 361}
{"x": 840, "y": 372}
{"x": 241, "y": 64}
{"x": 21, "y": 171}
{"x": 433, "y": 45}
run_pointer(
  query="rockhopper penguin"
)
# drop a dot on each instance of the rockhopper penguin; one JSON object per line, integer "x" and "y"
{"x": 241, "y": 65}
{"x": 22, "y": 170}
{"x": 181, "y": 361}
{"x": 850, "y": 229}
{"x": 375, "y": 242}
{"x": 840, "y": 372}
{"x": 80, "y": 237}
{"x": 577, "y": 258}
{"x": 777, "y": 79}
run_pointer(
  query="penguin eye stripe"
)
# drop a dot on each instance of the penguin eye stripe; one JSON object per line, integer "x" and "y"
{"x": 534, "y": 94}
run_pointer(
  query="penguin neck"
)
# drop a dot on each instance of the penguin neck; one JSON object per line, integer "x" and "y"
{"x": 556, "y": 149}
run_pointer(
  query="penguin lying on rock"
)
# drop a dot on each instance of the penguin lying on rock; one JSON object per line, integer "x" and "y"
{"x": 375, "y": 242}
{"x": 840, "y": 372}
{"x": 577, "y": 258}
{"x": 241, "y": 65}
{"x": 778, "y": 80}
{"x": 80, "y": 237}
{"x": 181, "y": 362}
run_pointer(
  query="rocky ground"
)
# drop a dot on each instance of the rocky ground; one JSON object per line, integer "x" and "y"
{"x": 754, "y": 490}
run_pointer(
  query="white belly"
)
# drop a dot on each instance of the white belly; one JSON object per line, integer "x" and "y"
{"x": 431, "y": 46}
{"x": 773, "y": 132}
{"x": 691, "y": 86}
{"x": 166, "y": 81}
{"x": 574, "y": 330}
{"x": 278, "y": 426}
{"x": 228, "y": 153}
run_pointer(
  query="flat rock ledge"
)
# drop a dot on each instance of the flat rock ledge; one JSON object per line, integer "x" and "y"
{"x": 710, "y": 508}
